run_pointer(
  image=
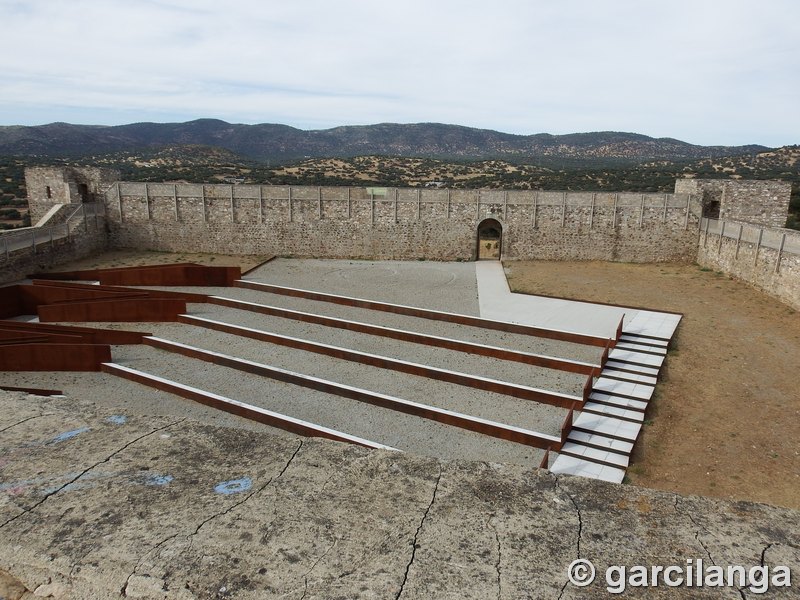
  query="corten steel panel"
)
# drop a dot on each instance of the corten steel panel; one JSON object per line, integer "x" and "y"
{"x": 188, "y": 296}
{"x": 422, "y": 313}
{"x": 34, "y": 391}
{"x": 587, "y": 386}
{"x": 11, "y": 304}
{"x": 54, "y": 357}
{"x": 21, "y": 337}
{"x": 94, "y": 274}
{"x": 545, "y": 464}
{"x": 548, "y": 362}
{"x": 86, "y": 334}
{"x": 566, "y": 427}
{"x": 174, "y": 274}
{"x": 238, "y": 408}
{"x": 152, "y": 310}
{"x": 36, "y": 295}
{"x": 490, "y": 428}
{"x": 604, "y": 358}
{"x": 481, "y": 383}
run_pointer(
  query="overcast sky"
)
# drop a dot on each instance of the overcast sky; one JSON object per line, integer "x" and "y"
{"x": 703, "y": 71}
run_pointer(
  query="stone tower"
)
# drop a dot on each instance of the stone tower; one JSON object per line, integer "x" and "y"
{"x": 51, "y": 187}
{"x": 764, "y": 203}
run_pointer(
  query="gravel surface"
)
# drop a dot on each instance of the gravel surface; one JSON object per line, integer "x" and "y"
{"x": 497, "y": 407}
{"x": 392, "y": 428}
{"x": 512, "y": 372}
{"x": 120, "y": 396}
{"x": 449, "y": 286}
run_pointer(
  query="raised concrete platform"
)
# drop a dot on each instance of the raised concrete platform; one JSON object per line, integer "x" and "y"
{"x": 97, "y": 504}
{"x": 498, "y": 302}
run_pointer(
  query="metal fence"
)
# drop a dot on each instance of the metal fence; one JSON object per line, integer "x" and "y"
{"x": 783, "y": 240}
{"x": 84, "y": 218}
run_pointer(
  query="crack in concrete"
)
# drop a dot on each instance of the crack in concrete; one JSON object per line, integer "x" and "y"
{"x": 314, "y": 566}
{"x": 698, "y": 529}
{"x": 154, "y": 549}
{"x": 416, "y": 536}
{"x": 762, "y": 562}
{"x": 85, "y": 471}
{"x": 246, "y": 498}
{"x": 499, "y": 559}
{"x": 764, "y": 553}
{"x": 580, "y": 527}
{"x": 25, "y": 421}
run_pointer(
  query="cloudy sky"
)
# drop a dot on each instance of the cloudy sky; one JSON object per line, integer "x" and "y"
{"x": 704, "y": 71}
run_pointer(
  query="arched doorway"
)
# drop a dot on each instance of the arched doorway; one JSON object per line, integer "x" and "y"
{"x": 490, "y": 240}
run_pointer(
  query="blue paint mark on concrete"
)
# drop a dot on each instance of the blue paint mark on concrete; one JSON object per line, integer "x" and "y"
{"x": 117, "y": 419}
{"x": 234, "y": 486}
{"x": 61, "y": 437}
{"x": 155, "y": 479}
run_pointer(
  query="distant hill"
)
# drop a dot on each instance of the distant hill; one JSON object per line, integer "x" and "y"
{"x": 282, "y": 143}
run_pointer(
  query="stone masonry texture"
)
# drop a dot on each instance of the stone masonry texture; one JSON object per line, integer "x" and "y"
{"x": 763, "y": 203}
{"x": 341, "y": 222}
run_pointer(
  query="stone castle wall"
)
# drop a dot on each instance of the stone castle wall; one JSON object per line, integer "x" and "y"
{"x": 758, "y": 202}
{"x": 434, "y": 224}
{"x": 85, "y": 241}
{"x": 766, "y": 258}
{"x": 393, "y": 223}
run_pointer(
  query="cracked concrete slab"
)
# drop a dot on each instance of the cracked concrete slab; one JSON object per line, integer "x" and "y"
{"x": 100, "y": 505}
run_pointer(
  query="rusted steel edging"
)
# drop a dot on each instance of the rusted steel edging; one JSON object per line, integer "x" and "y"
{"x": 53, "y": 357}
{"x": 587, "y": 387}
{"x": 539, "y": 360}
{"x": 248, "y": 411}
{"x": 472, "y": 381}
{"x": 138, "y": 291}
{"x": 463, "y": 421}
{"x": 566, "y": 427}
{"x": 556, "y": 334}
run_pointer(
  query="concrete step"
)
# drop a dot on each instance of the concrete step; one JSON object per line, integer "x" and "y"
{"x": 624, "y": 389}
{"x": 632, "y": 368}
{"x": 607, "y": 426}
{"x": 601, "y": 442}
{"x": 654, "y": 350}
{"x": 634, "y": 416}
{"x": 618, "y": 401}
{"x": 627, "y": 376}
{"x": 570, "y": 465}
{"x": 602, "y": 457}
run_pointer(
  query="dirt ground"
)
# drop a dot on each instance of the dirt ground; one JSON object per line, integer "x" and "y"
{"x": 724, "y": 420}
{"x": 133, "y": 258}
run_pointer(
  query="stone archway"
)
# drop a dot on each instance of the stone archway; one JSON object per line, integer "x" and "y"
{"x": 489, "y": 240}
